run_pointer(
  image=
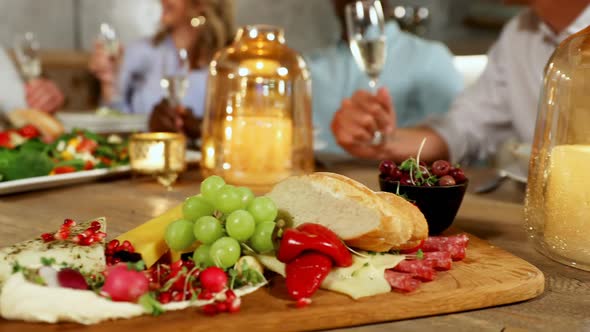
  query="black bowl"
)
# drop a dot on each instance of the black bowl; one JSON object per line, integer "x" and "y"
{"x": 438, "y": 204}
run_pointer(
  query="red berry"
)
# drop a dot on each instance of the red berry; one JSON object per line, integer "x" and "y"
{"x": 205, "y": 295}
{"x": 386, "y": 167}
{"x": 69, "y": 223}
{"x": 405, "y": 180}
{"x": 213, "y": 279}
{"x": 164, "y": 297}
{"x": 47, "y": 237}
{"x": 210, "y": 309}
{"x": 446, "y": 180}
{"x": 441, "y": 167}
{"x": 458, "y": 175}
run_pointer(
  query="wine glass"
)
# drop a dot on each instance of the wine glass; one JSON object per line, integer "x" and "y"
{"x": 175, "y": 71}
{"x": 108, "y": 36}
{"x": 365, "y": 27}
{"x": 26, "y": 49}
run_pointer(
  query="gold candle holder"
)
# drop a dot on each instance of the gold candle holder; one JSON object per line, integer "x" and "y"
{"x": 159, "y": 154}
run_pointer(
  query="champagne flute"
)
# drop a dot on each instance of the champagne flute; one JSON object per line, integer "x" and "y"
{"x": 26, "y": 49}
{"x": 366, "y": 36}
{"x": 108, "y": 36}
{"x": 365, "y": 25}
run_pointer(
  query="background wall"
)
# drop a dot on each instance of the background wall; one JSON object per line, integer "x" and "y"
{"x": 73, "y": 24}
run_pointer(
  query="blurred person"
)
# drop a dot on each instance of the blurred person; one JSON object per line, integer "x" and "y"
{"x": 418, "y": 79}
{"x": 502, "y": 104}
{"x": 130, "y": 81}
{"x": 41, "y": 94}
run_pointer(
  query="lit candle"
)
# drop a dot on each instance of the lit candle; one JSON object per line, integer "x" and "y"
{"x": 153, "y": 153}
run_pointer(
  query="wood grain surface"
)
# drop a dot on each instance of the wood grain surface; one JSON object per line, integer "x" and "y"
{"x": 495, "y": 217}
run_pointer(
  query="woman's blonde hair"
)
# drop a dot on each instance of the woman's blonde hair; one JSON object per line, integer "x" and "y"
{"x": 216, "y": 33}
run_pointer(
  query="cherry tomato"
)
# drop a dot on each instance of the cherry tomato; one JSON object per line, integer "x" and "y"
{"x": 29, "y": 131}
{"x": 87, "y": 145}
{"x": 106, "y": 161}
{"x": 88, "y": 165}
{"x": 64, "y": 169}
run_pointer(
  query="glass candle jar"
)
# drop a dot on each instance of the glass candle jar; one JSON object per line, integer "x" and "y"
{"x": 158, "y": 154}
{"x": 257, "y": 127}
{"x": 557, "y": 206}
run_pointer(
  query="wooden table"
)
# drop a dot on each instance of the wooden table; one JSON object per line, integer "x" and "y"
{"x": 496, "y": 217}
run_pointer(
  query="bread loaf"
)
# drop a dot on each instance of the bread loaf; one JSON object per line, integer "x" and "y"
{"x": 49, "y": 127}
{"x": 361, "y": 217}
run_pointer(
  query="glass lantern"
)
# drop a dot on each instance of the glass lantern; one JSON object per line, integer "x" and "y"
{"x": 557, "y": 207}
{"x": 257, "y": 127}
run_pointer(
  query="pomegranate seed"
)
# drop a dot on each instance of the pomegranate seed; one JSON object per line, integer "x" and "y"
{"x": 113, "y": 244}
{"x": 86, "y": 241}
{"x": 87, "y": 233}
{"x": 205, "y": 295}
{"x": 234, "y": 306}
{"x": 99, "y": 236}
{"x": 165, "y": 297}
{"x": 69, "y": 223}
{"x": 47, "y": 237}
{"x": 210, "y": 309}
{"x": 230, "y": 295}
{"x": 62, "y": 234}
{"x": 95, "y": 224}
{"x": 221, "y": 306}
{"x": 303, "y": 302}
{"x": 93, "y": 229}
{"x": 177, "y": 296}
{"x": 77, "y": 238}
{"x": 126, "y": 246}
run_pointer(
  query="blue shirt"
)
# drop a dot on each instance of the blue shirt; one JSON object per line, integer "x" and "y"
{"x": 418, "y": 74}
{"x": 140, "y": 73}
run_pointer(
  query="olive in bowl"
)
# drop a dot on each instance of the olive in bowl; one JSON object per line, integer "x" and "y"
{"x": 437, "y": 189}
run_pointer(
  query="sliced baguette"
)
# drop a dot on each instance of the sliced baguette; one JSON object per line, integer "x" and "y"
{"x": 411, "y": 213}
{"x": 354, "y": 212}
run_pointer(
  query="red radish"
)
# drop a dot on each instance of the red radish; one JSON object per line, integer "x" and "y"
{"x": 221, "y": 306}
{"x": 210, "y": 309}
{"x": 234, "y": 305}
{"x": 165, "y": 297}
{"x": 123, "y": 284}
{"x": 213, "y": 279}
{"x": 205, "y": 295}
{"x": 303, "y": 302}
{"x": 70, "y": 278}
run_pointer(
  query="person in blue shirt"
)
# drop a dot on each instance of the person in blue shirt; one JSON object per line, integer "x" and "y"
{"x": 131, "y": 80}
{"x": 418, "y": 77}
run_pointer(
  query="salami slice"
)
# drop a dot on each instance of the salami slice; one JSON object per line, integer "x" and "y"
{"x": 441, "y": 260}
{"x": 401, "y": 282}
{"x": 455, "y": 245}
{"x": 419, "y": 269}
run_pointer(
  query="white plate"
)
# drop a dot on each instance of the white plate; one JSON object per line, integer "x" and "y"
{"x": 52, "y": 181}
{"x": 125, "y": 123}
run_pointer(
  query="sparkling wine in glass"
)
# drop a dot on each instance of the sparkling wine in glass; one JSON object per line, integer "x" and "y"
{"x": 365, "y": 26}
{"x": 108, "y": 36}
{"x": 26, "y": 49}
{"x": 174, "y": 80}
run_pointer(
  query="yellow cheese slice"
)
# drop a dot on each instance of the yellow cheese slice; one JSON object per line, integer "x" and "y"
{"x": 148, "y": 238}
{"x": 365, "y": 277}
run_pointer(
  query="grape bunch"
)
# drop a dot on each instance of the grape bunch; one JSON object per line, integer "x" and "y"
{"x": 219, "y": 220}
{"x": 414, "y": 173}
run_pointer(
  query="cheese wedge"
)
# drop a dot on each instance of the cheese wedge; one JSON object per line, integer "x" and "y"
{"x": 148, "y": 238}
{"x": 365, "y": 277}
{"x": 88, "y": 259}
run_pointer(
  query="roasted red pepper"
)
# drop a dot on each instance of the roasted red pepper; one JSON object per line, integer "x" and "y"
{"x": 313, "y": 237}
{"x": 29, "y": 131}
{"x": 64, "y": 169}
{"x": 306, "y": 273}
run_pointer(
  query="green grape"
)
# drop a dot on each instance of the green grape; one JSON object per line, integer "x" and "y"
{"x": 225, "y": 252}
{"x": 210, "y": 186}
{"x": 263, "y": 209}
{"x": 196, "y": 207}
{"x": 201, "y": 256}
{"x": 227, "y": 200}
{"x": 261, "y": 241}
{"x": 246, "y": 194}
{"x": 240, "y": 225}
{"x": 207, "y": 229}
{"x": 179, "y": 235}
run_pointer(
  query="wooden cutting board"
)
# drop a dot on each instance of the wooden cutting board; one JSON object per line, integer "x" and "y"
{"x": 489, "y": 276}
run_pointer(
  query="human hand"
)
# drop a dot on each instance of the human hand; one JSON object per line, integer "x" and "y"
{"x": 44, "y": 95}
{"x": 359, "y": 117}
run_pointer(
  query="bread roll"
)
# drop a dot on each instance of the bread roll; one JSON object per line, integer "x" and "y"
{"x": 357, "y": 214}
{"x": 49, "y": 127}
